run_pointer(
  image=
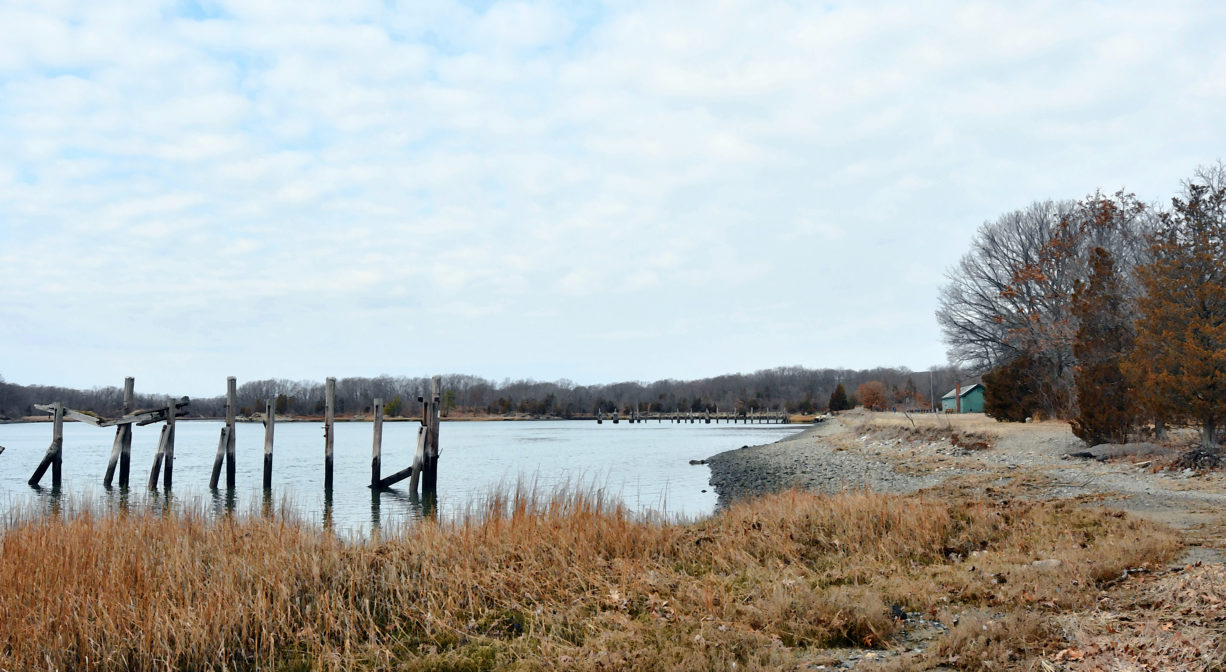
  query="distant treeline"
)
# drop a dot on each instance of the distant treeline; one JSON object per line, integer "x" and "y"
{"x": 792, "y": 389}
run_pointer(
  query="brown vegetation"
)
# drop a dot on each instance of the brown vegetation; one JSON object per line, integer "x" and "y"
{"x": 565, "y": 583}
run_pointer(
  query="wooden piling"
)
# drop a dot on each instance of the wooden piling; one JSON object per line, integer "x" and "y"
{"x": 231, "y": 464}
{"x": 158, "y": 455}
{"x": 54, "y": 455}
{"x": 168, "y": 463}
{"x": 329, "y": 420}
{"x": 270, "y": 420}
{"x": 419, "y": 456}
{"x": 164, "y": 458}
{"x": 376, "y": 449}
{"x": 121, "y": 451}
{"x": 429, "y": 479}
{"x": 226, "y": 444}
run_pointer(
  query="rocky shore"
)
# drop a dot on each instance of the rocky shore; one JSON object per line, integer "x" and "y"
{"x": 808, "y": 460}
{"x": 890, "y": 452}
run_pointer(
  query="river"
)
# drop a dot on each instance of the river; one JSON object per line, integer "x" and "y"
{"x": 644, "y": 465}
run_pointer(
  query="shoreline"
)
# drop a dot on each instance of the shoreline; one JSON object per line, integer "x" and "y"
{"x": 37, "y": 419}
{"x": 952, "y": 455}
{"x": 808, "y": 460}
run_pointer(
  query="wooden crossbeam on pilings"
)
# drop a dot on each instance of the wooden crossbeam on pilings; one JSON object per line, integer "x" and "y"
{"x": 79, "y": 416}
{"x": 54, "y": 456}
{"x": 121, "y": 451}
{"x": 138, "y": 418}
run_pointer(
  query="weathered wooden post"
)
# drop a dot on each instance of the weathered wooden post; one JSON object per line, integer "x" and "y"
{"x": 165, "y": 451}
{"x": 225, "y": 445}
{"x": 376, "y": 450}
{"x": 329, "y": 420}
{"x": 429, "y": 479}
{"x": 54, "y": 456}
{"x": 125, "y": 451}
{"x": 269, "y": 423}
{"x": 231, "y": 464}
{"x": 121, "y": 451}
{"x": 169, "y": 463}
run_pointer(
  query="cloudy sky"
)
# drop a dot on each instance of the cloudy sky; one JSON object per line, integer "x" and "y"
{"x": 593, "y": 191}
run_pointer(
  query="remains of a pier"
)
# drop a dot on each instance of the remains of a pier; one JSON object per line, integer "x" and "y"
{"x": 122, "y": 449}
{"x": 423, "y": 469}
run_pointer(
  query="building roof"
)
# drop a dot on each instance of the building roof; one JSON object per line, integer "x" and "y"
{"x": 965, "y": 391}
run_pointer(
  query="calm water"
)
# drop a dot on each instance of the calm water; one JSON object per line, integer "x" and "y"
{"x": 645, "y": 465}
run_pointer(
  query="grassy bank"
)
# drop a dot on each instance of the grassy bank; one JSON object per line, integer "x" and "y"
{"x": 570, "y": 583}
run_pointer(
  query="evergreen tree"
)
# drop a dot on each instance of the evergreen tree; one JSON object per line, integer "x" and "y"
{"x": 838, "y": 399}
{"x": 909, "y": 392}
{"x": 1104, "y": 338}
{"x": 1011, "y": 392}
{"x": 1180, "y": 356}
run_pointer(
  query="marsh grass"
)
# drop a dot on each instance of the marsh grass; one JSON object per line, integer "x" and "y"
{"x": 557, "y": 580}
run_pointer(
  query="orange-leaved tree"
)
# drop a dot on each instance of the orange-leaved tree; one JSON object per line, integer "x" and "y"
{"x": 872, "y": 395}
{"x": 1180, "y": 355}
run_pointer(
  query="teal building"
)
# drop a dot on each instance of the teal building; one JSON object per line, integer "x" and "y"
{"x": 972, "y": 399}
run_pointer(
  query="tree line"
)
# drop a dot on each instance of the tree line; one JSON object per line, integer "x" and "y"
{"x": 1106, "y": 311}
{"x": 792, "y": 389}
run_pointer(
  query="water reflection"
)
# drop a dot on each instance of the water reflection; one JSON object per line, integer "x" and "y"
{"x": 48, "y": 499}
{"x": 223, "y": 505}
{"x": 117, "y": 499}
{"x": 412, "y": 505}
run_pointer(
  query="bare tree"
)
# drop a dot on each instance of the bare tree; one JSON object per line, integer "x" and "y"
{"x": 1009, "y": 296}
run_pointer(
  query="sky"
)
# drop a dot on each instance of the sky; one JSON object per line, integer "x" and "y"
{"x": 597, "y": 192}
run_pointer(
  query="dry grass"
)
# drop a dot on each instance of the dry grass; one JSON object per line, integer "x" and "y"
{"x": 567, "y": 582}
{"x": 975, "y": 423}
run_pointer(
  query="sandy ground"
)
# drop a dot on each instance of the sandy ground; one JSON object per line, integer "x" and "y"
{"x": 893, "y": 452}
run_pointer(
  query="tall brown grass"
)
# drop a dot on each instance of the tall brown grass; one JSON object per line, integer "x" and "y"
{"x": 523, "y": 582}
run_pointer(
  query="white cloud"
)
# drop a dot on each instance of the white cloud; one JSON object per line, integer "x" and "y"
{"x": 677, "y": 177}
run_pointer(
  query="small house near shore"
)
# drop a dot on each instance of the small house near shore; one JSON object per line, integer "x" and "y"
{"x": 972, "y": 399}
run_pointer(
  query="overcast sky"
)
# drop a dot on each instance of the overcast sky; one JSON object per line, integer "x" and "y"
{"x": 598, "y": 192}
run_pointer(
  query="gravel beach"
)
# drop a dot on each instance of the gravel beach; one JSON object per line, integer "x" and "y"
{"x": 810, "y": 461}
{"x": 895, "y": 453}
